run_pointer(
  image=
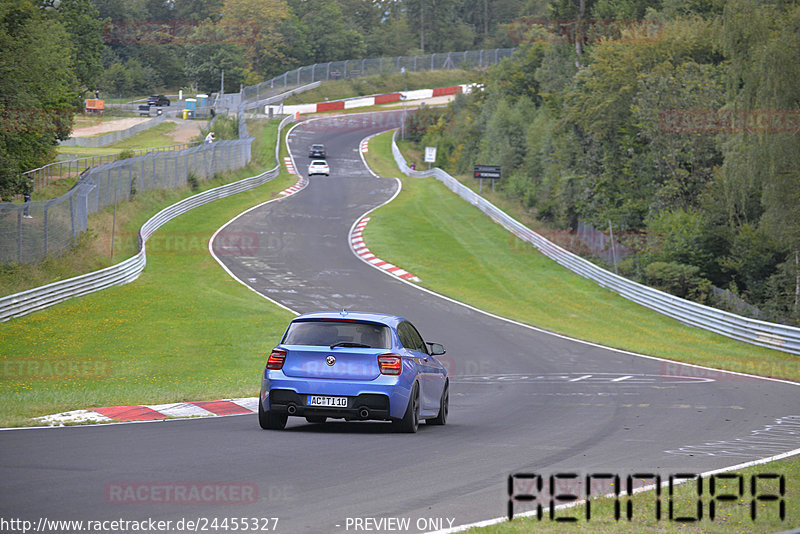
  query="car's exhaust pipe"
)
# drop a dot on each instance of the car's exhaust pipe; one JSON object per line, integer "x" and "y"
{"x": 363, "y": 413}
{"x": 292, "y": 409}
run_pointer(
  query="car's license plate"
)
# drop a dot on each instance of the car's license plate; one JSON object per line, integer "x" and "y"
{"x": 317, "y": 400}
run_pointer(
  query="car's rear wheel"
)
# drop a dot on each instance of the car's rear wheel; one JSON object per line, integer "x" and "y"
{"x": 270, "y": 420}
{"x": 444, "y": 407}
{"x": 410, "y": 421}
{"x": 316, "y": 418}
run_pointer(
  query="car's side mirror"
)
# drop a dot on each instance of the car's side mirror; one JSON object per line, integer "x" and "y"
{"x": 437, "y": 349}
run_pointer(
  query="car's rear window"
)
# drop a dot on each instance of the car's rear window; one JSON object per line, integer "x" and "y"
{"x": 327, "y": 333}
{"x": 319, "y": 162}
{"x": 317, "y": 147}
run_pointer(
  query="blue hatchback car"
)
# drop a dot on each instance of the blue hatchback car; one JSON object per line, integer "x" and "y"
{"x": 354, "y": 366}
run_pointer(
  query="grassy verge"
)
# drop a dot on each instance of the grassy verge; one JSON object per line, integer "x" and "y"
{"x": 730, "y": 516}
{"x": 94, "y": 248}
{"x": 183, "y": 331}
{"x": 457, "y": 250}
{"x": 460, "y": 252}
{"x": 154, "y": 137}
{"x": 370, "y": 85}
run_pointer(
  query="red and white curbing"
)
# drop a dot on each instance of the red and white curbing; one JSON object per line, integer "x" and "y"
{"x": 363, "y": 101}
{"x": 357, "y": 242}
{"x": 153, "y": 412}
{"x": 301, "y": 183}
{"x": 289, "y": 165}
{"x": 365, "y": 146}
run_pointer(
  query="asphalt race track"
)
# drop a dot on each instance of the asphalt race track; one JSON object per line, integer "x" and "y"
{"x": 521, "y": 400}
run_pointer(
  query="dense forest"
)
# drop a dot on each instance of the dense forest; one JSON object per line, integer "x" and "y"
{"x": 172, "y": 43}
{"x": 676, "y": 122}
{"x": 54, "y": 53}
{"x": 681, "y": 131}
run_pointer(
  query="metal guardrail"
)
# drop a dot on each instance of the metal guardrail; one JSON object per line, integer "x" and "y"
{"x": 38, "y": 298}
{"x": 771, "y": 335}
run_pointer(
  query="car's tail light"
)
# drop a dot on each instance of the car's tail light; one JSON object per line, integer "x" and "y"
{"x": 390, "y": 364}
{"x": 276, "y": 359}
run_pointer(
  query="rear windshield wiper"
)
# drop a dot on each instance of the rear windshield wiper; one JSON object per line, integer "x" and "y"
{"x": 350, "y": 344}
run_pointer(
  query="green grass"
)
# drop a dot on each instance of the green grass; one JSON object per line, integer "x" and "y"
{"x": 370, "y": 85}
{"x": 730, "y": 516}
{"x": 458, "y": 251}
{"x": 184, "y": 330}
{"x": 154, "y": 137}
{"x": 94, "y": 249}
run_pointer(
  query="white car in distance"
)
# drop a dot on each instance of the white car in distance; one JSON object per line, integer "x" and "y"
{"x": 319, "y": 166}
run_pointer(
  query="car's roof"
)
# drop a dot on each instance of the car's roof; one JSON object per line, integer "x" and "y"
{"x": 319, "y": 162}
{"x": 389, "y": 320}
{"x": 318, "y": 145}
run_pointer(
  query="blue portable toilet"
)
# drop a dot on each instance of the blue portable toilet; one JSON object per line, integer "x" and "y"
{"x": 191, "y": 107}
{"x": 202, "y": 101}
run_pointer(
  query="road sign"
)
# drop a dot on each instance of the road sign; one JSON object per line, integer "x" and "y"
{"x": 430, "y": 154}
{"x": 492, "y": 172}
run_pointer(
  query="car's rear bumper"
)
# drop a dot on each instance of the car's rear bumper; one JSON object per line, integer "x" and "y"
{"x": 365, "y": 406}
{"x": 384, "y": 398}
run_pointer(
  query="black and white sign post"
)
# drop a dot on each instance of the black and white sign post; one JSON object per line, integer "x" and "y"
{"x": 490, "y": 172}
{"x": 430, "y": 155}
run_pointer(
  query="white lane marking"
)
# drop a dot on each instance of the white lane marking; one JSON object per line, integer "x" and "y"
{"x": 584, "y": 377}
{"x": 589, "y": 379}
{"x": 769, "y": 440}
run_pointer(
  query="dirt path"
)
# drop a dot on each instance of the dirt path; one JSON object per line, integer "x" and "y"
{"x": 186, "y": 131}
{"x": 107, "y": 126}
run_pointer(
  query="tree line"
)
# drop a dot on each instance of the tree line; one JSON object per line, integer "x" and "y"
{"x": 254, "y": 40}
{"x": 678, "y": 123}
{"x": 54, "y": 53}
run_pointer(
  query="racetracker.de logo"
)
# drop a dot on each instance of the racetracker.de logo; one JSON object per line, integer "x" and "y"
{"x": 182, "y": 32}
{"x": 181, "y": 493}
{"x": 737, "y": 371}
{"x": 226, "y": 243}
{"x": 583, "y": 30}
{"x": 730, "y": 121}
{"x": 55, "y": 369}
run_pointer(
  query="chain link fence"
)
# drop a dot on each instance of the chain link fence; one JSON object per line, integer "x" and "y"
{"x": 32, "y": 230}
{"x": 356, "y": 68}
{"x": 71, "y": 168}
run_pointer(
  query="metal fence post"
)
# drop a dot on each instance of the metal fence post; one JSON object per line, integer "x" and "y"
{"x": 19, "y": 235}
{"x": 46, "y": 207}
{"x": 72, "y": 214}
